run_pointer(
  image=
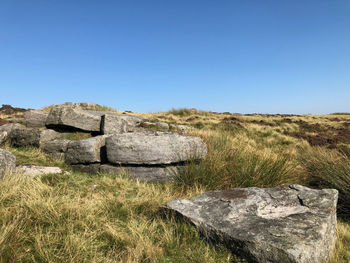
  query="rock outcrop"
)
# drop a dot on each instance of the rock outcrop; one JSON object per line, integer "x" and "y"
{"x": 161, "y": 148}
{"x": 282, "y": 224}
{"x": 7, "y": 162}
{"x": 120, "y": 142}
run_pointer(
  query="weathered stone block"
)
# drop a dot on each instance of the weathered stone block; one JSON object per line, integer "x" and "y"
{"x": 35, "y": 118}
{"x": 86, "y": 151}
{"x": 56, "y": 148}
{"x": 119, "y": 123}
{"x": 22, "y": 137}
{"x": 63, "y": 117}
{"x": 161, "y": 148}
{"x": 282, "y": 224}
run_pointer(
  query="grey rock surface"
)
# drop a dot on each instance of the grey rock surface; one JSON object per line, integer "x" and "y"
{"x": 7, "y": 162}
{"x": 33, "y": 170}
{"x": 119, "y": 123}
{"x": 3, "y": 136}
{"x": 47, "y": 135}
{"x": 56, "y": 148}
{"x": 62, "y": 117}
{"x": 160, "y": 148}
{"x": 281, "y": 224}
{"x": 91, "y": 150}
{"x": 35, "y": 118}
{"x": 22, "y": 137}
{"x": 144, "y": 174}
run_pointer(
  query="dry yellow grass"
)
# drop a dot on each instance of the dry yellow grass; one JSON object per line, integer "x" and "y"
{"x": 61, "y": 219}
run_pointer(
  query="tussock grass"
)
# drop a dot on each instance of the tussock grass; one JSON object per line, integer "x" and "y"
{"x": 107, "y": 109}
{"x": 60, "y": 218}
{"x": 34, "y": 156}
{"x": 77, "y": 136}
{"x": 229, "y": 164}
{"x": 331, "y": 169}
{"x": 342, "y": 252}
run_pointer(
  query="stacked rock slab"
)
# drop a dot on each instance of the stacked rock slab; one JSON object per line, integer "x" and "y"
{"x": 153, "y": 149}
{"x": 151, "y": 157}
{"x": 75, "y": 118}
{"x": 143, "y": 173}
{"x": 146, "y": 157}
{"x": 7, "y": 162}
{"x": 63, "y": 117}
{"x": 292, "y": 224}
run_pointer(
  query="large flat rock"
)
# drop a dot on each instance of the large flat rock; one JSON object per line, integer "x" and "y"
{"x": 65, "y": 117}
{"x": 7, "y": 162}
{"x": 281, "y": 224}
{"x": 85, "y": 151}
{"x": 160, "y": 148}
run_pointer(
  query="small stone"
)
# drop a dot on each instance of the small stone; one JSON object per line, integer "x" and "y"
{"x": 33, "y": 170}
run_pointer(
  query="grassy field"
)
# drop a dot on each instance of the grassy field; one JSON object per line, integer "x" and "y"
{"x": 104, "y": 218}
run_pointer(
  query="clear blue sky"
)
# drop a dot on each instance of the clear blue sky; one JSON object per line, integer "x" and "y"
{"x": 282, "y": 56}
